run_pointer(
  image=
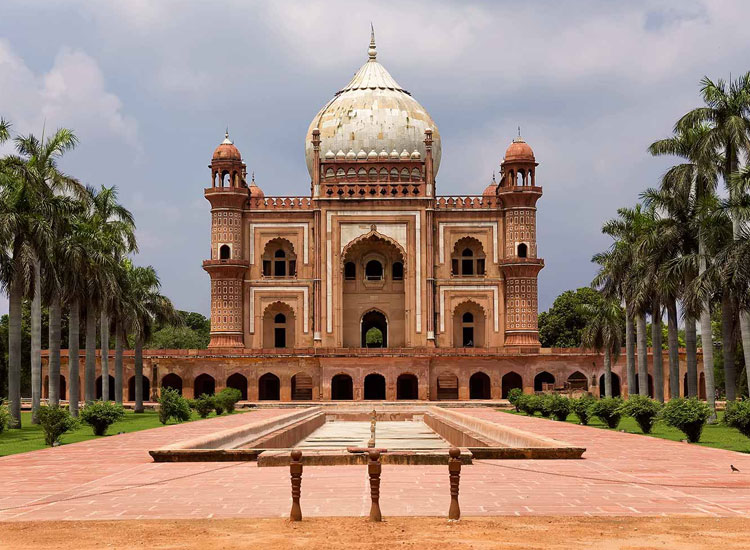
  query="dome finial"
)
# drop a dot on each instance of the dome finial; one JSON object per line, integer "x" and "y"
{"x": 372, "y": 52}
{"x": 227, "y": 141}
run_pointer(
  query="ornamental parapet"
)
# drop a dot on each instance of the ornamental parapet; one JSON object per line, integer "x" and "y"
{"x": 279, "y": 203}
{"x": 368, "y": 190}
{"x": 467, "y": 202}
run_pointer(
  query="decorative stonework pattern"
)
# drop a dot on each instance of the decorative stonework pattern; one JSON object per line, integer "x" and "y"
{"x": 226, "y": 228}
{"x": 521, "y": 303}
{"x": 520, "y": 227}
{"x": 226, "y": 305}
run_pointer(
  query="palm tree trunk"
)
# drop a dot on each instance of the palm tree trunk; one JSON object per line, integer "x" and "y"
{"x": 673, "y": 341}
{"x": 607, "y": 374}
{"x": 54, "y": 350}
{"x": 36, "y": 344}
{"x": 104, "y": 330}
{"x": 658, "y": 360}
{"x": 745, "y": 333}
{"x": 89, "y": 375}
{"x": 74, "y": 342}
{"x": 630, "y": 351}
{"x": 138, "y": 374}
{"x": 640, "y": 324}
{"x": 728, "y": 346}
{"x": 691, "y": 356}
{"x": 118, "y": 362}
{"x": 707, "y": 343}
{"x": 15, "y": 300}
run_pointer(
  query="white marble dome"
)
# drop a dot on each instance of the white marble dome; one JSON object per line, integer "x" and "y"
{"x": 373, "y": 112}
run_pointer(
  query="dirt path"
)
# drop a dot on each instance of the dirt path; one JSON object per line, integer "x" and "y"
{"x": 524, "y": 533}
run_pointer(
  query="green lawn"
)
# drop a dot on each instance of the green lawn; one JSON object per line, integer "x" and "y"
{"x": 718, "y": 435}
{"x": 31, "y": 437}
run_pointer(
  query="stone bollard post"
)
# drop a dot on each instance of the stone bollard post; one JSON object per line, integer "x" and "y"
{"x": 454, "y": 469}
{"x": 295, "y": 470}
{"x": 373, "y": 469}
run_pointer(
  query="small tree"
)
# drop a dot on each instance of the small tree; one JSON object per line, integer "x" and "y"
{"x": 203, "y": 405}
{"x": 4, "y": 417}
{"x": 228, "y": 398}
{"x": 513, "y": 397}
{"x": 737, "y": 415}
{"x": 55, "y": 421}
{"x": 582, "y": 408}
{"x": 643, "y": 409}
{"x": 530, "y": 404}
{"x": 559, "y": 406}
{"x": 687, "y": 415}
{"x": 608, "y": 410}
{"x": 545, "y": 402}
{"x": 173, "y": 405}
{"x": 100, "y": 415}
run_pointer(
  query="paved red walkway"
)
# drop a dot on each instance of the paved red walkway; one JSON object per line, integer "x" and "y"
{"x": 621, "y": 474}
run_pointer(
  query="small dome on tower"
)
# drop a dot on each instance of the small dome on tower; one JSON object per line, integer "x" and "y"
{"x": 253, "y": 190}
{"x": 226, "y": 150}
{"x": 519, "y": 150}
{"x": 491, "y": 189}
{"x": 330, "y": 155}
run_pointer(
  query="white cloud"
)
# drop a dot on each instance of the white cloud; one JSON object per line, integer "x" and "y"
{"x": 71, "y": 94}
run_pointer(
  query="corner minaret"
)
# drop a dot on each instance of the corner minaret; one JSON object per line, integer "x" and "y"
{"x": 227, "y": 266}
{"x": 518, "y": 192}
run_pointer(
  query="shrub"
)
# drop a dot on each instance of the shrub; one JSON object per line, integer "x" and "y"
{"x": 55, "y": 421}
{"x": 546, "y": 402}
{"x": 687, "y": 415}
{"x": 582, "y": 408}
{"x": 608, "y": 411}
{"x": 530, "y": 404}
{"x": 203, "y": 405}
{"x": 4, "y": 417}
{"x": 643, "y": 409}
{"x": 737, "y": 415}
{"x": 513, "y": 396}
{"x": 100, "y": 415}
{"x": 559, "y": 406}
{"x": 173, "y": 405}
{"x": 228, "y": 398}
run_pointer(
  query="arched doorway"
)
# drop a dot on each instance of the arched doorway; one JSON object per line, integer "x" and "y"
{"x": 302, "y": 386}
{"x": 468, "y": 325}
{"x": 447, "y": 387}
{"x": 269, "y": 387}
{"x": 480, "y": 386}
{"x": 146, "y": 384}
{"x": 238, "y": 382}
{"x": 701, "y": 386}
{"x": 374, "y": 330}
{"x": 63, "y": 388}
{"x": 615, "y": 385}
{"x": 578, "y": 381}
{"x": 544, "y": 381}
{"x": 650, "y": 386}
{"x": 111, "y": 390}
{"x": 204, "y": 384}
{"x": 509, "y": 381}
{"x": 375, "y": 386}
{"x": 407, "y": 387}
{"x": 342, "y": 387}
{"x": 172, "y": 381}
{"x": 278, "y": 326}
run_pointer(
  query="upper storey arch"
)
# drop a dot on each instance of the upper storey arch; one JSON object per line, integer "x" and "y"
{"x": 279, "y": 258}
{"x": 468, "y": 258}
{"x": 373, "y": 113}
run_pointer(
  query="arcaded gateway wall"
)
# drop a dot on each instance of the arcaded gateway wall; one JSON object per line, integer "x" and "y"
{"x": 323, "y": 375}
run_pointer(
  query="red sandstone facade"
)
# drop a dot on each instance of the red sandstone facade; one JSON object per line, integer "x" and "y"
{"x": 374, "y": 286}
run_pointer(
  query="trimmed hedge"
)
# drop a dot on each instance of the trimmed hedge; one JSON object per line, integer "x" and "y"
{"x": 688, "y": 415}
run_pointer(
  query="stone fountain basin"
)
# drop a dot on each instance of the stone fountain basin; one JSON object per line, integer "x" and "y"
{"x": 270, "y": 441}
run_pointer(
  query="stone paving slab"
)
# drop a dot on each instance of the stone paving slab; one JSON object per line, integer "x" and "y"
{"x": 621, "y": 474}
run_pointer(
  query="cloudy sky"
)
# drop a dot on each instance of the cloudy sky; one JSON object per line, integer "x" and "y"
{"x": 149, "y": 87}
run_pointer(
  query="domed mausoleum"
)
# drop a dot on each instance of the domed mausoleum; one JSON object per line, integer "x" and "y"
{"x": 374, "y": 286}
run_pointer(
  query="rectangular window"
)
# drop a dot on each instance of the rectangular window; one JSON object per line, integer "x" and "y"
{"x": 292, "y": 268}
{"x": 279, "y": 268}
{"x": 279, "y": 337}
{"x": 266, "y": 268}
{"x": 467, "y": 267}
{"x": 454, "y": 266}
{"x": 480, "y": 266}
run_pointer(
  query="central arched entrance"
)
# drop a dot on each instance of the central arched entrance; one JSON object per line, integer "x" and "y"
{"x": 375, "y": 386}
{"x": 342, "y": 388}
{"x": 374, "y": 330}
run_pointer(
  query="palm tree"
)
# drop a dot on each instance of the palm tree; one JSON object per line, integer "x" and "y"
{"x": 615, "y": 273}
{"x": 695, "y": 179}
{"x": 144, "y": 307}
{"x": 30, "y": 205}
{"x": 737, "y": 262}
{"x": 603, "y": 332}
{"x": 727, "y": 113}
{"x": 117, "y": 228}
